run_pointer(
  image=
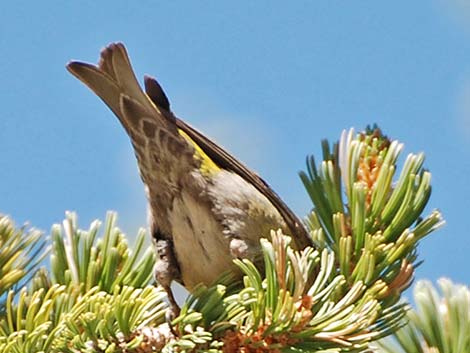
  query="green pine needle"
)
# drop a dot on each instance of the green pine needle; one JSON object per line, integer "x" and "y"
{"x": 439, "y": 324}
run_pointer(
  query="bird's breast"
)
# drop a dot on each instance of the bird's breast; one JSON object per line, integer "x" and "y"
{"x": 202, "y": 251}
{"x": 215, "y": 220}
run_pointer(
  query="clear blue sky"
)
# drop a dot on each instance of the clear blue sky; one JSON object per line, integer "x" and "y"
{"x": 266, "y": 79}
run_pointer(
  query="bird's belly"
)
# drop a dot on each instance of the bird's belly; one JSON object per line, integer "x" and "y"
{"x": 202, "y": 250}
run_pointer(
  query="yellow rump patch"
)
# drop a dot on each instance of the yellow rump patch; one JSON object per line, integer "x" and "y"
{"x": 208, "y": 167}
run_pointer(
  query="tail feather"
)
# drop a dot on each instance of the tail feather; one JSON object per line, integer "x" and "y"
{"x": 113, "y": 78}
{"x": 99, "y": 82}
{"x": 115, "y": 61}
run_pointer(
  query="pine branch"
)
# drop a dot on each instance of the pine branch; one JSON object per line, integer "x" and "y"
{"x": 338, "y": 296}
{"x": 21, "y": 251}
{"x": 375, "y": 231}
{"x": 440, "y": 323}
{"x": 280, "y": 310}
{"x": 97, "y": 294}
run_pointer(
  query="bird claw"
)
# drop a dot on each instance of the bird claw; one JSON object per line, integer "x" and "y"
{"x": 172, "y": 312}
{"x": 170, "y": 315}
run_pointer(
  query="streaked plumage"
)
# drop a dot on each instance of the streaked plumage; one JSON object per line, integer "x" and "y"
{"x": 205, "y": 207}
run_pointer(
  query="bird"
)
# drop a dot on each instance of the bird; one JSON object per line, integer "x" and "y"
{"x": 205, "y": 208}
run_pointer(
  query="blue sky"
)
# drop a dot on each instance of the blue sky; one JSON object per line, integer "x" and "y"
{"x": 266, "y": 79}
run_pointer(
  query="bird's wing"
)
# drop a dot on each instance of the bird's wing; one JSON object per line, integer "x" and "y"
{"x": 152, "y": 130}
{"x": 226, "y": 161}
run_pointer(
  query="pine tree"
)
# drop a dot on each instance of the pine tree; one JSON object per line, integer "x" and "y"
{"x": 343, "y": 294}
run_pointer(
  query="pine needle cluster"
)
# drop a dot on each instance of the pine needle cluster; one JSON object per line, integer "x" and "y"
{"x": 342, "y": 294}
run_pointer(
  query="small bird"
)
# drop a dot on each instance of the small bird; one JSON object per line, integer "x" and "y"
{"x": 205, "y": 207}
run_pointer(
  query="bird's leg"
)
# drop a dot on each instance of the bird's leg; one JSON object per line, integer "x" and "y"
{"x": 166, "y": 270}
{"x": 174, "y": 310}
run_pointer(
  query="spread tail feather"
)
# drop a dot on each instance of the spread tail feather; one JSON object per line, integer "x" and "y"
{"x": 113, "y": 78}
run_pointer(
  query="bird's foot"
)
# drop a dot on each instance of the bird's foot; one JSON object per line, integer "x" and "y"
{"x": 173, "y": 310}
{"x": 166, "y": 270}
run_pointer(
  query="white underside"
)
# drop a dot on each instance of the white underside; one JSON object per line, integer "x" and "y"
{"x": 203, "y": 252}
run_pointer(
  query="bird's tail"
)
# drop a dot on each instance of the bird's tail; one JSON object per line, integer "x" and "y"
{"x": 114, "y": 81}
